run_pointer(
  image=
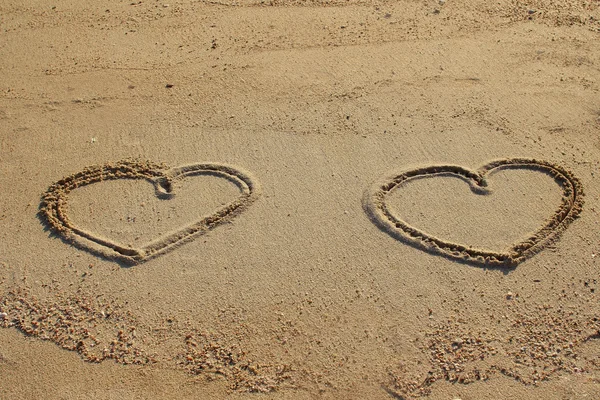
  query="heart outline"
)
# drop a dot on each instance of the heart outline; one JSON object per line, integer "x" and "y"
{"x": 571, "y": 206}
{"x": 53, "y": 208}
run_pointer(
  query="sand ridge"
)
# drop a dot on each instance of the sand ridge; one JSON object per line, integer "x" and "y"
{"x": 54, "y": 205}
{"x": 374, "y": 202}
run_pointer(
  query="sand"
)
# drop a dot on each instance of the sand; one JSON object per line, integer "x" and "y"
{"x": 299, "y": 199}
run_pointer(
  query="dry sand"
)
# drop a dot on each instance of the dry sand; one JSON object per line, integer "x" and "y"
{"x": 261, "y": 271}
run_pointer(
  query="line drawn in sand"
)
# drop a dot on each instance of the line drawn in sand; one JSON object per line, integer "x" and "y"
{"x": 374, "y": 204}
{"x": 54, "y": 205}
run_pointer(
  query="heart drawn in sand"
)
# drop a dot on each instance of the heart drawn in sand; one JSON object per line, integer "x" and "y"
{"x": 374, "y": 203}
{"x": 54, "y": 205}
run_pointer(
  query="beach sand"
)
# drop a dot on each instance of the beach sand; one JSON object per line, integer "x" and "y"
{"x": 210, "y": 200}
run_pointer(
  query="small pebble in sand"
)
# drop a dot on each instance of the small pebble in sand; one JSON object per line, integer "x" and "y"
{"x": 3, "y": 316}
{"x": 510, "y": 296}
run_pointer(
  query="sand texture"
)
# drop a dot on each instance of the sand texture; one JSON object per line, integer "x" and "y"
{"x": 300, "y": 199}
